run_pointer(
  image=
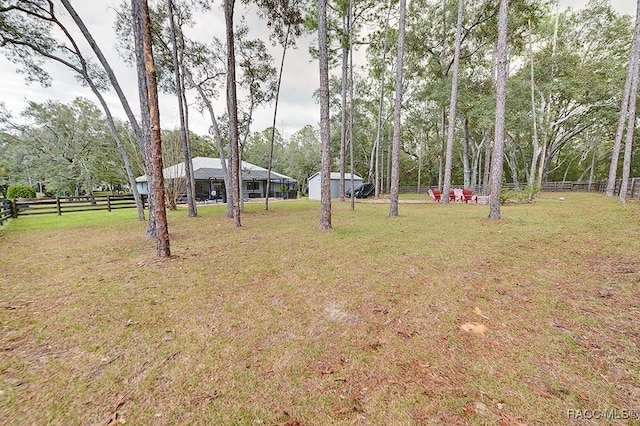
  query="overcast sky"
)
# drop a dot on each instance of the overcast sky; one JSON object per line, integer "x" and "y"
{"x": 296, "y": 109}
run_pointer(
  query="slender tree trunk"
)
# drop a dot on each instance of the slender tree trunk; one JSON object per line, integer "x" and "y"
{"x": 513, "y": 164}
{"x": 184, "y": 134}
{"x": 452, "y": 107}
{"x": 624, "y": 107}
{"x": 547, "y": 113}
{"x": 397, "y": 115}
{"x": 155, "y": 146}
{"x": 232, "y": 108}
{"x": 389, "y": 152}
{"x": 145, "y": 118}
{"x": 465, "y": 154}
{"x": 441, "y": 159}
{"x": 351, "y": 107}
{"x": 535, "y": 143}
{"x": 501, "y": 97}
{"x": 631, "y": 124}
{"x": 275, "y": 115}
{"x": 325, "y": 130}
{"x": 593, "y": 166}
{"x": 419, "y": 149}
{"x": 487, "y": 164}
{"x": 375, "y": 154}
{"x": 343, "y": 130}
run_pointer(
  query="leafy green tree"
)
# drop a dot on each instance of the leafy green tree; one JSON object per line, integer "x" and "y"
{"x": 65, "y": 145}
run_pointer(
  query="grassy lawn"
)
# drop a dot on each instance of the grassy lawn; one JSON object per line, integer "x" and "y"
{"x": 278, "y": 323}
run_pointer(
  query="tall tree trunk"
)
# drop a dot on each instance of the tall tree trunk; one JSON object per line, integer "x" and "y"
{"x": 397, "y": 112}
{"x": 441, "y": 153}
{"x": 419, "y": 149}
{"x": 325, "y": 129}
{"x": 232, "y": 108}
{"x": 272, "y": 136}
{"x": 184, "y": 133}
{"x": 513, "y": 164}
{"x": 535, "y": 143}
{"x": 501, "y": 97}
{"x": 343, "y": 130}
{"x": 487, "y": 164}
{"x": 542, "y": 168}
{"x": 466, "y": 170}
{"x": 631, "y": 124}
{"x": 625, "y": 106}
{"x": 145, "y": 117}
{"x": 351, "y": 107}
{"x": 155, "y": 146}
{"x": 389, "y": 152}
{"x": 375, "y": 154}
{"x": 593, "y": 166}
{"x": 452, "y": 108}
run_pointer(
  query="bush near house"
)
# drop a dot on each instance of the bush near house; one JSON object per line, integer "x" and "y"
{"x": 20, "y": 191}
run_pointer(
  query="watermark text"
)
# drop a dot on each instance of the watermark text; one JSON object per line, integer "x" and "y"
{"x": 602, "y": 414}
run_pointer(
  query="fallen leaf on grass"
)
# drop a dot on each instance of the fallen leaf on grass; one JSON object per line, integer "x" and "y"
{"x": 287, "y": 420}
{"x": 542, "y": 393}
{"x": 479, "y": 313}
{"x": 380, "y": 310}
{"x": 474, "y": 327}
{"x": 469, "y": 410}
{"x": 507, "y": 420}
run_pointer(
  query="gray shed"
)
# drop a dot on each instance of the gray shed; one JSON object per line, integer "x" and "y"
{"x": 314, "y": 184}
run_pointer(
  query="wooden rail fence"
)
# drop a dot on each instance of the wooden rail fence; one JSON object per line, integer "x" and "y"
{"x": 60, "y": 205}
{"x": 6, "y": 210}
{"x": 633, "y": 187}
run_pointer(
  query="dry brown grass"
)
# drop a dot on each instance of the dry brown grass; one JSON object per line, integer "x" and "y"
{"x": 277, "y": 323}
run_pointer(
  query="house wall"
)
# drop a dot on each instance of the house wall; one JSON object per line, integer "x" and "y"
{"x": 254, "y": 189}
{"x": 250, "y": 189}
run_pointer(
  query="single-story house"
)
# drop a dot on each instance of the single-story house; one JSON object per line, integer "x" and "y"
{"x": 314, "y": 184}
{"x": 209, "y": 177}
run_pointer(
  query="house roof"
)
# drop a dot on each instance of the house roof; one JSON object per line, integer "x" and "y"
{"x": 205, "y": 168}
{"x": 336, "y": 176}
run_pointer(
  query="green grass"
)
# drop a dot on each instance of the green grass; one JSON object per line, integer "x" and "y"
{"x": 278, "y": 323}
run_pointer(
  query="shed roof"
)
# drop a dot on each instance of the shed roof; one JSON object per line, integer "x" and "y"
{"x": 336, "y": 176}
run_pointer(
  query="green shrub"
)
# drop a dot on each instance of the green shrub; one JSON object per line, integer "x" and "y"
{"x": 513, "y": 196}
{"x": 20, "y": 191}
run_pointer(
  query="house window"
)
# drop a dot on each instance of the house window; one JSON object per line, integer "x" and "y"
{"x": 251, "y": 186}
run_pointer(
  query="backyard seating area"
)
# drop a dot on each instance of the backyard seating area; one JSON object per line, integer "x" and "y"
{"x": 456, "y": 195}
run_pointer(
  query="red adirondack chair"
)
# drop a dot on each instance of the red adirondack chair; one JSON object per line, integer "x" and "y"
{"x": 467, "y": 195}
{"x": 435, "y": 195}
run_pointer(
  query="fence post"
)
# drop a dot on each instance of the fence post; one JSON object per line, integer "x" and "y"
{"x": 14, "y": 208}
{"x": 109, "y": 203}
{"x": 58, "y": 209}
